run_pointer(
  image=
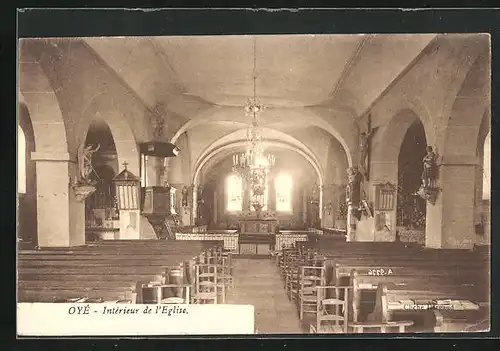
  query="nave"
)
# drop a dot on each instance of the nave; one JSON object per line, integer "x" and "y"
{"x": 151, "y": 168}
{"x": 324, "y": 285}
{"x": 257, "y": 282}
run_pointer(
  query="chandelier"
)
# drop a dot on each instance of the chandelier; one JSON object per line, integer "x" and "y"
{"x": 252, "y": 165}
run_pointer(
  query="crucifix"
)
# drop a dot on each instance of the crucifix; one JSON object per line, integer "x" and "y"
{"x": 364, "y": 149}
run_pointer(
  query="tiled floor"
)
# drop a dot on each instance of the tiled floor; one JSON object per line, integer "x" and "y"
{"x": 257, "y": 282}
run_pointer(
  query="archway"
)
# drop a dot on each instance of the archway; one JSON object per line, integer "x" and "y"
{"x": 26, "y": 180}
{"x": 225, "y": 196}
{"x": 102, "y": 108}
{"x": 410, "y": 207}
{"x": 482, "y": 216}
{"x": 393, "y": 157}
{"x": 452, "y": 219}
{"x": 101, "y": 214}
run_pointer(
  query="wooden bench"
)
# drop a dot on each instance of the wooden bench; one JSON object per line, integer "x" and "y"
{"x": 465, "y": 272}
{"x": 118, "y": 270}
{"x": 441, "y": 308}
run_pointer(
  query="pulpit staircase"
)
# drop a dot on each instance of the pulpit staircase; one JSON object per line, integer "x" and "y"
{"x": 169, "y": 228}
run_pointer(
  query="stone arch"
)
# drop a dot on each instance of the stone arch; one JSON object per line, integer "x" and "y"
{"x": 385, "y": 154}
{"x": 462, "y": 127}
{"x": 476, "y": 49}
{"x": 455, "y": 212}
{"x": 268, "y": 143}
{"x": 268, "y": 134}
{"x": 272, "y": 117}
{"x": 27, "y": 202}
{"x": 483, "y": 150}
{"x": 47, "y": 121}
{"x": 53, "y": 169}
{"x": 227, "y": 148}
{"x": 482, "y": 215}
{"x": 179, "y": 168}
{"x": 101, "y": 108}
{"x": 386, "y": 149}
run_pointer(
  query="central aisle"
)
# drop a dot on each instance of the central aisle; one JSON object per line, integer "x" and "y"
{"x": 257, "y": 282}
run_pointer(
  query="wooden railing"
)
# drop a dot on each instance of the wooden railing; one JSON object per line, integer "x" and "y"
{"x": 287, "y": 239}
{"x": 334, "y": 231}
{"x": 230, "y": 239}
{"x": 315, "y": 231}
{"x": 192, "y": 229}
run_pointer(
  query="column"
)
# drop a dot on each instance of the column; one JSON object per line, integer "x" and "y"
{"x": 246, "y": 195}
{"x": 215, "y": 209}
{"x": 327, "y": 203}
{"x": 271, "y": 195}
{"x": 304, "y": 205}
{"x": 194, "y": 205}
{"x": 450, "y": 221}
{"x": 60, "y": 215}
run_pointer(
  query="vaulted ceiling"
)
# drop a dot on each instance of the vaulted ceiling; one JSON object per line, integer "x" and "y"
{"x": 190, "y": 74}
{"x": 309, "y": 84}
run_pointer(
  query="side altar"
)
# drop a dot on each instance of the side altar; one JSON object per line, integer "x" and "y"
{"x": 257, "y": 233}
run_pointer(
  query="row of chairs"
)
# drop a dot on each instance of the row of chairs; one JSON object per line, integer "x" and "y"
{"x": 305, "y": 280}
{"x": 206, "y": 280}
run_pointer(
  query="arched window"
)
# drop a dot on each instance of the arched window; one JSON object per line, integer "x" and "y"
{"x": 486, "y": 168}
{"x": 234, "y": 191}
{"x": 283, "y": 185}
{"x": 21, "y": 161}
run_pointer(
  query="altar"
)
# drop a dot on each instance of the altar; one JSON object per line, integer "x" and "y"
{"x": 257, "y": 235}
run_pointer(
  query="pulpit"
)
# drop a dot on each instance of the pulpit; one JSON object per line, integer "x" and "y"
{"x": 257, "y": 235}
{"x": 158, "y": 207}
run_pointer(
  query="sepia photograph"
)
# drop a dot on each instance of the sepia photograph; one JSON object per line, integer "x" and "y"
{"x": 254, "y": 184}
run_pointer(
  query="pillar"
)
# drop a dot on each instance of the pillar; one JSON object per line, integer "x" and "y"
{"x": 194, "y": 207}
{"x": 271, "y": 195}
{"x": 304, "y": 205}
{"x": 450, "y": 221}
{"x": 246, "y": 195}
{"x": 330, "y": 195}
{"x": 185, "y": 211}
{"x": 215, "y": 209}
{"x": 60, "y": 216}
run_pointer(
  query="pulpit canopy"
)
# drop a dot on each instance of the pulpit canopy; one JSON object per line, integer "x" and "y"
{"x": 159, "y": 149}
{"x": 127, "y": 187}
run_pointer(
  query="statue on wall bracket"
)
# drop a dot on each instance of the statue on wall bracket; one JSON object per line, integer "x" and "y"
{"x": 353, "y": 186}
{"x": 84, "y": 185}
{"x": 429, "y": 190}
{"x": 185, "y": 193}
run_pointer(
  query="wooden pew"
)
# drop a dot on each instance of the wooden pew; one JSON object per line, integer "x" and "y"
{"x": 422, "y": 265}
{"x": 371, "y": 295}
{"x": 97, "y": 262}
{"x": 440, "y": 308}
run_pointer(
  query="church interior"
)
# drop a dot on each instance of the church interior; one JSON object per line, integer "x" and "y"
{"x": 340, "y": 184}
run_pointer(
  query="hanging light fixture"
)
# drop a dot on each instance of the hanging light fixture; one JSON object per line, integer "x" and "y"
{"x": 252, "y": 165}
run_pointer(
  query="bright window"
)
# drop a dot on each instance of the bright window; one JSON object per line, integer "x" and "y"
{"x": 487, "y": 168}
{"x": 283, "y": 185}
{"x": 234, "y": 191}
{"x": 21, "y": 161}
